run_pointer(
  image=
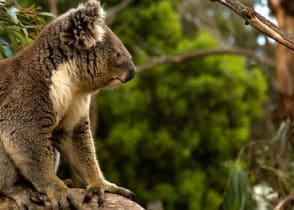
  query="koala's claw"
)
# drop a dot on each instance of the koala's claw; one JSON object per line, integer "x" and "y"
{"x": 25, "y": 205}
{"x": 94, "y": 191}
{"x": 68, "y": 183}
{"x": 101, "y": 199}
{"x": 132, "y": 196}
{"x": 121, "y": 191}
{"x": 38, "y": 198}
{"x": 62, "y": 199}
{"x": 109, "y": 187}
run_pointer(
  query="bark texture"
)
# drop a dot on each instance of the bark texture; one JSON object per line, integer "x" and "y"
{"x": 112, "y": 202}
{"x": 259, "y": 22}
{"x": 284, "y": 59}
{"x": 284, "y": 56}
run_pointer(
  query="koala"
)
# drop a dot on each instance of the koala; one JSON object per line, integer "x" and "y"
{"x": 45, "y": 93}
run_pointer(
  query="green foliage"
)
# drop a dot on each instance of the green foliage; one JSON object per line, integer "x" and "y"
{"x": 18, "y": 26}
{"x": 179, "y": 129}
{"x": 239, "y": 192}
{"x": 163, "y": 33}
{"x": 169, "y": 133}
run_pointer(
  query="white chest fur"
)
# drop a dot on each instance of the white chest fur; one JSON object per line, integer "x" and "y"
{"x": 68, "y": 103}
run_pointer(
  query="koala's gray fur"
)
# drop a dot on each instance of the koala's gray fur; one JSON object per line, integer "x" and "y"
{"x": 44, "y": 106}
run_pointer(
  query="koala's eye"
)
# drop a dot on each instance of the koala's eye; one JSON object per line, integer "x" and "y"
{"x": 118, "y": 55}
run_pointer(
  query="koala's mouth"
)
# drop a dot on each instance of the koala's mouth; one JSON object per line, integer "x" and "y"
{"x": 114, "y": 82}
{"x": 118, "y": 80}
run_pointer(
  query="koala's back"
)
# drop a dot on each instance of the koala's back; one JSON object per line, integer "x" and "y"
{"x": 9, "y": 73}
{"x": 23, "y": 89}
{"x": 30, "y": 66}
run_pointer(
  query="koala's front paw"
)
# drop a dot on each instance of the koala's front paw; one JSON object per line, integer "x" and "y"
{"x": 99, "y": 190}
{"x": 62, "y": 198}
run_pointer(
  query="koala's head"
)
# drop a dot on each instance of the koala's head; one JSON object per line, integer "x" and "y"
{"x": 100, "y": 58}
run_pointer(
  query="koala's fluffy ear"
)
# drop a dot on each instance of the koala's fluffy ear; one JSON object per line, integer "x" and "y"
{"x": 84, "y": 26}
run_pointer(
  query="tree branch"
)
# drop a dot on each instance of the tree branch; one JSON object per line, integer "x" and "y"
{"x": 112, "y": 202}
{"x": 202, "y": 53}
{"x": 259, "y": 22}
{"x": 287, "y": 202}
{"x": 53, "y": 7}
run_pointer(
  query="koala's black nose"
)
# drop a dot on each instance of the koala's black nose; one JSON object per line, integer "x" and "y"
{"x": 131, "y": 72}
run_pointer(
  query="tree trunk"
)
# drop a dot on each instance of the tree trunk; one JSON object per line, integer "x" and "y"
{"x": 284, "y": 12}
{"x": 53, "y": 7}
{"x": 112, "y": 202}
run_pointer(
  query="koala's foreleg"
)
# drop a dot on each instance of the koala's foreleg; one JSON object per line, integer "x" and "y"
{"x": 78, "y": 147}
{"x": 36, "y": 164}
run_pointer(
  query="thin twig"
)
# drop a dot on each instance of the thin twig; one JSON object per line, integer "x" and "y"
{"x": 259, "y": 22}
{"x": 4, "y": 43}
{"x": 202, "y": 53}
{"x": 285, "y": 202}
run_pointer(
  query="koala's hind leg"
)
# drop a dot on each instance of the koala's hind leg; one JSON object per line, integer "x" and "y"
{"x": 22, "y": 195}
{"x": 9, "y": 183}
{"x": 36, "y": 164}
